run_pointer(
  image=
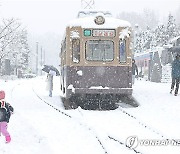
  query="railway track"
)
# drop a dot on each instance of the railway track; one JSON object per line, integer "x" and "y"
{"x": 81, "y": 123}
{"x": 69, "y": 116}
{"x": 109, "y": 137}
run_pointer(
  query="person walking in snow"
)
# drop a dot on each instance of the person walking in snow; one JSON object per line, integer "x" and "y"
{"x": 134, "y": 70}
{"x": 175, "y": 74}
{"x": 5, "y": 112}
{"x": 49, "y": 80}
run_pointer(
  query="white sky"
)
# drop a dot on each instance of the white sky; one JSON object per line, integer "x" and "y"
{"x": 52, "y": 15}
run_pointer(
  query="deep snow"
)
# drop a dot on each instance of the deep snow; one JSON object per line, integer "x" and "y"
{"x": 41, "y": 125}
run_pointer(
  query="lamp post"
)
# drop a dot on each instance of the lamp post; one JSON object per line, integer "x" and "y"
{"x": 36, "y": 58}
{"x": 41, "y": 59}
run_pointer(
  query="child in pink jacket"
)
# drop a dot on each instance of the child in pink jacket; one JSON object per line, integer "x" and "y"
{"x": 5, "y": 112}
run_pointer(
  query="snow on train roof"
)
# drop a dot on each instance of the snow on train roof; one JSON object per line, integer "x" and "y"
{"x": 86, "y": 20}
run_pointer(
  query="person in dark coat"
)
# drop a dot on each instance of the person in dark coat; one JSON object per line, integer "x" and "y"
{"x": 5, "y": 112}
{"x": 175, "y": 74}
{"x": 134, "y": 70}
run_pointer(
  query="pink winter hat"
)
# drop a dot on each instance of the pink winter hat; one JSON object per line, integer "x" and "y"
{"x": 2, "y": 94}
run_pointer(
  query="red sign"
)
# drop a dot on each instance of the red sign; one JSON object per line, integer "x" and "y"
{"x": 104, "y": 33}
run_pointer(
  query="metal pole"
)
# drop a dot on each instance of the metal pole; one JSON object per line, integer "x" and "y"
{"x": 41, "y": 60}
{"x": 44, "y": 57}
{"x": 36, "y": 58}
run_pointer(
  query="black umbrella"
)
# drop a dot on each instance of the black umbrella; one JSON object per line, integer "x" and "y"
{"x": 175, "y": 49}
{"x": 48, "y": 68}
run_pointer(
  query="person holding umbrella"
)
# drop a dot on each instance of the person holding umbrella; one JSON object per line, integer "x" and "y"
{"x": 49, "y": 80}
{"x": 52, "y": 71}
{"x": 175, "y": 74}
{"x": 48, "y": 68}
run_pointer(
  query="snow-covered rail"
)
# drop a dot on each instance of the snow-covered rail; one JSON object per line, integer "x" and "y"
{"x": 146, "y": 125}
{"x": 109, "y": 136}
{"x": 116, "y": 140}
{"x": 81, "y": 123}
{"x": 69, "y": 116}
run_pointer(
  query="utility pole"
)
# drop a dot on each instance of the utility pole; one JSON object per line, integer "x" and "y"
{"x": 44, "y": 61}
{"x": 41, "y": 59}
{"x": 36, "y": 58}
{"x": 87, "y": 4}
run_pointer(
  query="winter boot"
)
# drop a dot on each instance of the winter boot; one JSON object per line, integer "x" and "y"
{"x": 176, "y": 92}
{"x": 171, "y": 91}
{"x": 8, "y": 139}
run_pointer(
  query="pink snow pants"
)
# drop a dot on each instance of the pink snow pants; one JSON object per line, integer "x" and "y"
{"x": 3, "y": 129}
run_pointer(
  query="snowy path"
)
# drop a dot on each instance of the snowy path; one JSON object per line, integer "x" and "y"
{"x": 158, "y": 107}
{"x": 37, "y": 127}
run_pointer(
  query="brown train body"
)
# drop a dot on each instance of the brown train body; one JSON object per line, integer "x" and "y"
{"x": 96, "y": 60}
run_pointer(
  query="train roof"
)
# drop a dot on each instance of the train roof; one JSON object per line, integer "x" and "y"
{"x": 87, "y": 21}
{"x": 158, "y": 49}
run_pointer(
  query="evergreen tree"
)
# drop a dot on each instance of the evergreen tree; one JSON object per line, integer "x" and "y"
{"x": 172, "y": 30}
{"x": 160, "y": 35}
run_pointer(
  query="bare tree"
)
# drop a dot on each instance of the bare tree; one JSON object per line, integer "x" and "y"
{"x": 148, "y": 18}
{"x": 13, "y": 40}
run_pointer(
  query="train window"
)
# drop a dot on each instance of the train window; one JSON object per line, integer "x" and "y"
{"x": 122, "y": 51}
{"x": 99, "y": 50}
{"x": 87, "y": 32}
{"x": 76, "y": 50}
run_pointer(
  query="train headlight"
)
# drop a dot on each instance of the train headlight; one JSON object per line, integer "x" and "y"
{"x": 99, "y": 20}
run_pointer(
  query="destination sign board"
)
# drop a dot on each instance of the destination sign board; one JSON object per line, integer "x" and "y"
{"x": 103, "y": 32}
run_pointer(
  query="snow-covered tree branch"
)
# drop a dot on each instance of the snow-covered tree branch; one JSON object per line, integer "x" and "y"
{"x": 13, "y": 43}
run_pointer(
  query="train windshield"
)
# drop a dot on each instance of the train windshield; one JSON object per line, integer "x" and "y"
{"x": 99, "y": 50}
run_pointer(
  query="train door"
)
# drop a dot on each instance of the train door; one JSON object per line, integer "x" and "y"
{"x": 63, "y": 65}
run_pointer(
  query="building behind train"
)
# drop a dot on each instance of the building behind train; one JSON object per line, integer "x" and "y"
{"x": 155, "y": 64}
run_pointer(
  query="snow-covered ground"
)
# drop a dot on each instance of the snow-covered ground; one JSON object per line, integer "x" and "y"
{"x": 41, "y": 125}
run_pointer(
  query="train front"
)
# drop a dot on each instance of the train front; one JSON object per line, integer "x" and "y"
{"x": 98, "y": 55}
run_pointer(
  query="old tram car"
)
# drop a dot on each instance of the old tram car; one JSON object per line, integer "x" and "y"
{"x": 95, "y": 56}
